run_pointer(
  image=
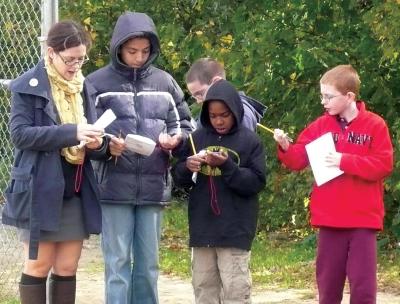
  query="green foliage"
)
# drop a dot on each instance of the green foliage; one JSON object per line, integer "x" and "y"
{"x": 276, "y": 51}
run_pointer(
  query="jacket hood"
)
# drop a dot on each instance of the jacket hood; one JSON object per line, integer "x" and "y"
{"x": 130, "y": 25}
{"x": 223, "y": 91}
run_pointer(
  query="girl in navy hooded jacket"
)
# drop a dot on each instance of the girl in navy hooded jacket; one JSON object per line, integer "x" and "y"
{"x": 225, "y": 177}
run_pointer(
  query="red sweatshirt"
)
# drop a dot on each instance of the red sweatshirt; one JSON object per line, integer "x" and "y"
{"x": 355, "y": 198}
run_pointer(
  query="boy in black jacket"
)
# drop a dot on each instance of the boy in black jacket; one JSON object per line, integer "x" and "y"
{"x": 134, "y": 188}
{"x": 226, "y": 175}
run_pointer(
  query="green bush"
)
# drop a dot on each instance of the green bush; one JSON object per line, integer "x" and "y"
{"x": 276, "y": 51}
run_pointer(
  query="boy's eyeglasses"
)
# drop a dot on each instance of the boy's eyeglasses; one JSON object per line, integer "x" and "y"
{"x": 328, "y": 97}
{"x": 200, "y": 94}
{"x": 71, "y": 62}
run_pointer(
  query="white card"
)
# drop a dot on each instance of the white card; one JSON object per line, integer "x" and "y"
{"x": 317, "y": 150}
{"x": 105, "y": 119}
{"x": 140, "y": 144}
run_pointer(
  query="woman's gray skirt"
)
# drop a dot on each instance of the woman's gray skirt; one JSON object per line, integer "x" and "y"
{"x": 72, "y": 227}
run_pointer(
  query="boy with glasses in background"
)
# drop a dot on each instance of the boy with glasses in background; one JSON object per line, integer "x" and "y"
{"x": 349, "y": 209}
{"x": 203, "y": 73}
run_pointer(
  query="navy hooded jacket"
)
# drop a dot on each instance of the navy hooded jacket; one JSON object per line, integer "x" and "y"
{"x": 36, "y": 191}
{"x": 147, "y": 101}
{"x": 235, "y": 183}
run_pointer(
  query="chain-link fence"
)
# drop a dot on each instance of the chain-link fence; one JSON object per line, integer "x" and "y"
{"x": 20, "y": 30}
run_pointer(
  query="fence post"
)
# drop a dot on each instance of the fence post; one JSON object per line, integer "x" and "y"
{"x": 49, "y": 14}
{"x": 4, "y": 83}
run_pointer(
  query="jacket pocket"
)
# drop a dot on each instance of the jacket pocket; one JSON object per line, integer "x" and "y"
{"x": 100, "y": 170}
{"x": 18, "y": 193}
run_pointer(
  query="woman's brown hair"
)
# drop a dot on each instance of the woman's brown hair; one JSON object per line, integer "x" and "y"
{"x": 67, "y": 34}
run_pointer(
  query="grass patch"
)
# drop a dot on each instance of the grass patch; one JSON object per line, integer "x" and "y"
{"x": 271, "y": 260}
{"x": 275, "y": 262}
{"x": 285, "y": 264}
{"x": 174, "y": 250}
{"x": 389, "y": 271}
{"x": 9, "y": 301}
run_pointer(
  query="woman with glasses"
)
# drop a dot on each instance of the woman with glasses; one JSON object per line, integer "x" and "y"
{"x": 52, "y": 194}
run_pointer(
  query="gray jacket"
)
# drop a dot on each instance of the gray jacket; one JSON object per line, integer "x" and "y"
{"x": 146, "y": 101}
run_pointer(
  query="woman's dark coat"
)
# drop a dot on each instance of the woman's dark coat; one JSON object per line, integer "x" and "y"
{"x": 34, "y": 196}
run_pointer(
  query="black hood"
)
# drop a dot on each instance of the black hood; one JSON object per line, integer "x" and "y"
{"x": 131, "y": 25}
{"x": 223, "y": 91}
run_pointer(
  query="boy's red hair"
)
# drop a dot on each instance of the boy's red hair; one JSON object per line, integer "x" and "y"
{"x": 344, "y": 78}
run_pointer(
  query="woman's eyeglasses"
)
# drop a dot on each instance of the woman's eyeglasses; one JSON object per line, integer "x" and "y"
{"x": 71, "y": 62}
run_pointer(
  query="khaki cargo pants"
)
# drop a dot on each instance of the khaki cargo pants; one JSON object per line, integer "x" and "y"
{"x": 221, "y": 275}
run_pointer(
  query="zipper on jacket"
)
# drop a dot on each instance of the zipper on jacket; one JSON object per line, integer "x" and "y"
{"x": 137, "y": 157}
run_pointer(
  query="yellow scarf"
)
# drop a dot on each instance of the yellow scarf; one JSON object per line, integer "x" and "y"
{"x": 68, "y": 100}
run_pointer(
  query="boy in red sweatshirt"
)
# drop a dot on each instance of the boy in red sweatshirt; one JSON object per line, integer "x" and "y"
{"x": 349, "y": 209}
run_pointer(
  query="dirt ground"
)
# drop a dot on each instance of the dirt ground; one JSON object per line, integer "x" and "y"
{"x": 172, "y": 290}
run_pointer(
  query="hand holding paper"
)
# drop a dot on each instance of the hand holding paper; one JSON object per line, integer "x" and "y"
{"x": 215, "y": 159}
{"x": 86, "y": 132}
{"x": 99, "y": 126}
{"x": 194, "y": 162}
{"x": 169, "y": 142}
{"x": 117, "y": 146}
{"x": 333, "y": 159}
{"x": 94, "y": 142}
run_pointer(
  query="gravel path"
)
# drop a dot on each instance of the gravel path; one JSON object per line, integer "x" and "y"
{"x": 172, "y": 290}
{"x": 90, "y": 289}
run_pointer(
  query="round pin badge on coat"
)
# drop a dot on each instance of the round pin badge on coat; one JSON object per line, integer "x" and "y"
{"x": 33, "y": 82}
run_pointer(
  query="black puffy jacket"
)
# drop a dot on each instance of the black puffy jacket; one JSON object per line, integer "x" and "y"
{"x": 146, "y": 101}
{"x": 223, "y": 202}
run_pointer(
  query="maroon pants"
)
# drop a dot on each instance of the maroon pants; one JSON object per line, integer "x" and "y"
{"x": 351, "y": 253}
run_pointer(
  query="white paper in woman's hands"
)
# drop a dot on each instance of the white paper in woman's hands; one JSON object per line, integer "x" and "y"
{"x": 103, "y": 122}
{"x": 105, "y": 119}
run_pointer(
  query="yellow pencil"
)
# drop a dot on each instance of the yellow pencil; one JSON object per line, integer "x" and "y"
{"x": 272, "y": 131}
{"x": 265, "y": 128}
{"x": 192, "y": 143}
